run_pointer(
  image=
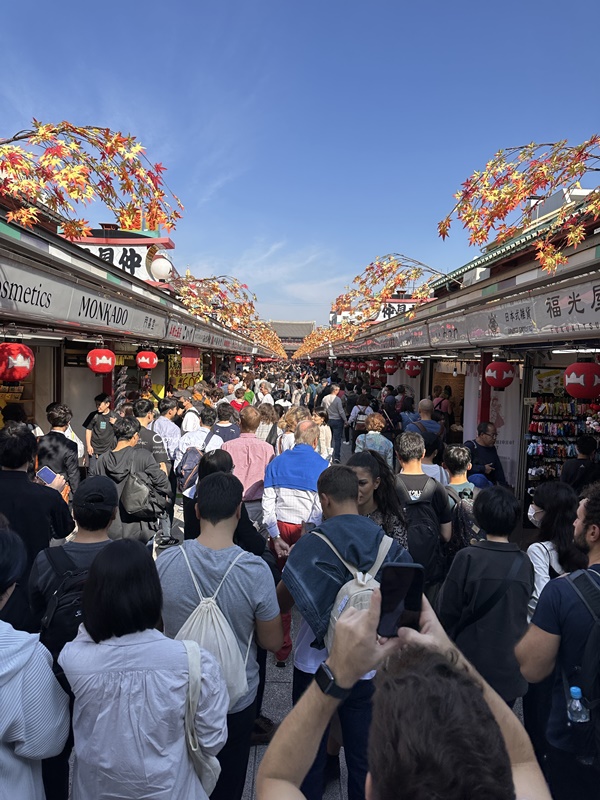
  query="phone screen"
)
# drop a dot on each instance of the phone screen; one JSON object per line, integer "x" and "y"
{"x": 401, "y": 593}
{"x": 46, "y": 474}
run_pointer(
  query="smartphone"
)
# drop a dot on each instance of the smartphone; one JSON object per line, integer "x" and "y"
{"x": 401, "y": 593}
{"x": 46, "y": 475}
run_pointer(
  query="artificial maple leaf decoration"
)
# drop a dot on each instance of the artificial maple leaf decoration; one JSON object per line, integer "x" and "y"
{"x": 514, "y": 178}
{"x": 58, "y": 167}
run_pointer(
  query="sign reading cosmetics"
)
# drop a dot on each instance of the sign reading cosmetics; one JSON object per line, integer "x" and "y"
{"x": 28, "y": 294}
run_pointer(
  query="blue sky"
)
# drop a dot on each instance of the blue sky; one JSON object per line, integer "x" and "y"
{"x": 307, "y": 138}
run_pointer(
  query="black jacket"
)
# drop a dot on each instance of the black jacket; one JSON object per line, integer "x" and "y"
{"x": 60, "y": 454}
{"x": 489, "y": 643}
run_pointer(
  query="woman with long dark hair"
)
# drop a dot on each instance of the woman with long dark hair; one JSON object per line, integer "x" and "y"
{"x": 553, "y": 510}
{"x": 377, "y": 497}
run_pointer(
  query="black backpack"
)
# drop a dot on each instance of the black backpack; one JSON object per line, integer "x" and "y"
{"x": 424, "y": 543}
{"x": 64, "y": 613}
{"x": 187, "y": 471}
{"x": 588, "y": 679}
{"x": 465, "y": 530}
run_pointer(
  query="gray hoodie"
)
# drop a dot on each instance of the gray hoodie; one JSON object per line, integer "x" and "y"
{"x": 34, "y": 721}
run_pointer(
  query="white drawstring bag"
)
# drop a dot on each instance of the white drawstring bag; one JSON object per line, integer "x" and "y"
{"x": 207, "y": 767}
{"x": 208, "y": 627}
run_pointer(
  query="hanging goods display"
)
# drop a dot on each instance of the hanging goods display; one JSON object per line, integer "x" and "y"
{"x": 582, "y": 380}
{"x": 16, "y": 361}
{"x": 499, "y": 374}
{"x": 101, "y": 360}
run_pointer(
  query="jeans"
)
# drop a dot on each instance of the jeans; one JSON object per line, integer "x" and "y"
{"x": 337, "y": 429}
{"x": 355, "y": 719}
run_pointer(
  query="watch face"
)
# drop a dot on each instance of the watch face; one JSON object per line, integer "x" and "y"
{"x": 326, "y": 683}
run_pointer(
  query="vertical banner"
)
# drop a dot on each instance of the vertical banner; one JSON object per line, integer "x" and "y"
{"x": 505, "y": 408}
{"x": 471, "y": 401}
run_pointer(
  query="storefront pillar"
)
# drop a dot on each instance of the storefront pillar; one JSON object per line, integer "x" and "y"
{"x": 485, "y": 391}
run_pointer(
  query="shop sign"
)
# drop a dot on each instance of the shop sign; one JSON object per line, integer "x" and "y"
{"x": 415, "y": 338}
{"x": 37, "y": 295}
{"x": 446, "y": 332}
{"x": 208, "y": 339}
{"x": 129, "y": 259}
{"x": 179, "y": 332}
{"x": 573, "y": 309}
{"x": 505, "y": 321}
{"x": 394, "y": 308}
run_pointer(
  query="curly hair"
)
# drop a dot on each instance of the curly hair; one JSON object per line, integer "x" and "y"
{"x": 592, "y": 507}
{"x": 375, "y": 422}
{"x": 385, "y": 494}
{"x": 427, "y": 712}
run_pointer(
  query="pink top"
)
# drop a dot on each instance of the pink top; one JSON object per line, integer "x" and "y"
{"x": 250, "y": 458}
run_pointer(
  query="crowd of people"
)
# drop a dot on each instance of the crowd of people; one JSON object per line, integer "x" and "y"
{"x": 140, "y": 655}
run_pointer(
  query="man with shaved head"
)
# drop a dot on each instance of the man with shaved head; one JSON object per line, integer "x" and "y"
{"x": 290, "y": 499}
{"x": 426, "y": 425}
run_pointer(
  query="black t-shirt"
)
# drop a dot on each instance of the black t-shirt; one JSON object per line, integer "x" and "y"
{"x": 103, "y": 436}
{"x": 579, "y": 472}
{"x": 439, "y": 502}
{"x": 226, "y": 432}
{"x": 153, "y": 442}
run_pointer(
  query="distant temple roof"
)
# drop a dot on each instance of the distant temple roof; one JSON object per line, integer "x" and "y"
{"x": 292, "y": 330}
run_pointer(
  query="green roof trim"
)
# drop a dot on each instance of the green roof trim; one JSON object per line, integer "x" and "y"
{"x": 9, "y": 230}
{"x": 113, "y": 279}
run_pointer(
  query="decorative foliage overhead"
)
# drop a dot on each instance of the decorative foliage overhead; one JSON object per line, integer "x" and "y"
{"x": 231, "y": 303}
{"x": 362, "y": 301}
{"x": 515, "y": 177}
{"x": 60, "y": 168}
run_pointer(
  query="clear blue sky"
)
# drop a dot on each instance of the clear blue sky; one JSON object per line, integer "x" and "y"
{"x": 307, "y": 138}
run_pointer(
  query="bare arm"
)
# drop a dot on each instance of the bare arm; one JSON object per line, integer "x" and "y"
{"x": 270, "y": 633}
{"x": 285, "y": 599}
{"x": 446, "y": 531}
{"x": 88, "y": 443}
{"x": 536, "y": 654}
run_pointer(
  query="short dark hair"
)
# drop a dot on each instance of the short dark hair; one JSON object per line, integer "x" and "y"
{"x": 426, "y": 710}
{"x": 433, "y": 444}
{"x": 208, "y": 416}
{"x": 457, "y": 458}
{"x": 214, "y": 461}
{"x": 142, "y": 407}
{"x": 14, "y": 412}
{"x": 482, "y": 428}
{"x": 224, "y": 412}
{"x": 59, "y": 415}
{"x": 13, "y": 558}
{"x": 101, "y": 398}
{"x": 218, "y": 496}
{"x": 166, "y": 404}
{"x": 496, "y": 510}
{"x": 18, "y": 445}
{"x": 339, "y": 483}
{"x": 410, "y": 446}
{"x": 586, "y": 445}
{"x": 125, "y": 428}
{"x": 91, "y": 518}
{"x": 122, "y": 593}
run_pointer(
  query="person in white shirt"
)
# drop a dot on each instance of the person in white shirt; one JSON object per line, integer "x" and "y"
{"x": 337, "y": 419}
{"x": 433, "y": 445}
{"x": 264, "y": 394}
{"x": 190, "y": 419}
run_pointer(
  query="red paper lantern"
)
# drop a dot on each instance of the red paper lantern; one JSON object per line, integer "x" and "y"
{"x": 239, "y": 359}
{"x": 373, "y": 365}
{"x": 247, "y": 360}
{"x": 499, "y": 374}
{"x": 101, "y": 360}
{"x": 353, "y": 366}
{"x": 362, "y": 367}
{"x": 146, "y": 359}
{"x": 390, "y": 366}
{"x": 413, "y": 369}
{"x": 582, "y": 380}
{"x": 16, "y": 361}
{"x": 346, "y": 365}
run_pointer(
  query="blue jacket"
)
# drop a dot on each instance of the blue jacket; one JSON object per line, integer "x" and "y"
{"x": 314, "y": 574}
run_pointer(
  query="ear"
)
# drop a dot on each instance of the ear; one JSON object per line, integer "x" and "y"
{"x": 238, "y": 511}
{"x": 369, "y": 787}
{"x": 594, "y": 533}
{"x": 196, "y": 511}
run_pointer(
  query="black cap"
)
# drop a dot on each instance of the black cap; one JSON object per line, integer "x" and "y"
{"x": 183, "y": 394}
{"x": 98, "y": 491}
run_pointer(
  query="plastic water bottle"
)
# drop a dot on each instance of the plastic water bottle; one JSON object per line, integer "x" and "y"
{"x": 576, "y": 711}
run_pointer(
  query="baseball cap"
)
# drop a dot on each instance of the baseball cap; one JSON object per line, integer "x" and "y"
{"x": 98, "y": 491}
{"x": 183, "y": 394}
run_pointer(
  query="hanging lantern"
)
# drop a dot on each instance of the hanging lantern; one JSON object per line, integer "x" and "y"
{"x": 413, "y": 369}
{"x": 390, "y": 366}
{"x": 247, "y": 360}
{"x": 16, "y": 361}
{"x": 239, "y": 359}
{"x": 161, "y": 268}
{"x": 373, "y": 365}
{"x": 582, "y": 380}
{"x": 101, "y": 360}
{"x": 346, "y": 365}
{"x": 499, "y": 374}
{"x": 146, "y": 359}
{"x": 353, "y": 366}
{"x": 362, "y": 367}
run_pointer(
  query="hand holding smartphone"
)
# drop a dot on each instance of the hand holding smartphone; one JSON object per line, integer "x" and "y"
{"x": 46, "y": 475}
{"x": 401, "y": 596}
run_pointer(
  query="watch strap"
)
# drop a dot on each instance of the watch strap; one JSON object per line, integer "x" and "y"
{"x": 325, "y": 680}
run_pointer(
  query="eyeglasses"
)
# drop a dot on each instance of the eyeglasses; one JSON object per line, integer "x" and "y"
{"x": 491, "y": 435}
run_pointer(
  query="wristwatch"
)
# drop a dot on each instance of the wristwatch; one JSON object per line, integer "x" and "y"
{"x": 325, "y": 680}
